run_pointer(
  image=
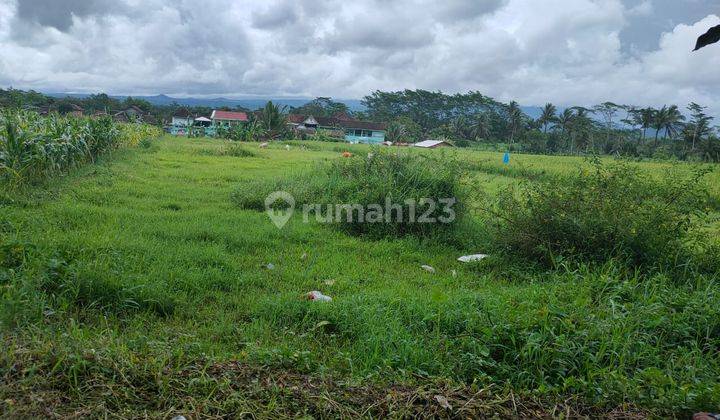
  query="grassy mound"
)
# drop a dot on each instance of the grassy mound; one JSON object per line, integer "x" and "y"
{"x": 602, "y": 213}
{"x": 378, "y": 195}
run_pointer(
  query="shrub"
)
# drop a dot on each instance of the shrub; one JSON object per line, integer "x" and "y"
{"x": 236, "y": 150}
{"x": 603, "y": 213}
{"x": 396, "y": 178}
{"x": 371, "y": 180}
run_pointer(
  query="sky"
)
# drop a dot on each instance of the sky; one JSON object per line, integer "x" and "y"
{"x": 568, "y": 52}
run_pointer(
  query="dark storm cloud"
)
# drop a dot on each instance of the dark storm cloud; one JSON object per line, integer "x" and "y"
{"x": 59, "y": 13}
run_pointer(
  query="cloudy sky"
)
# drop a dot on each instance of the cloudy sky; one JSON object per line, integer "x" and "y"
{"x": 534, "y": 51}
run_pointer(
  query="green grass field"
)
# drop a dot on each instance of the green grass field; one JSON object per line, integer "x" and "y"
{"x": 135, "y": 287}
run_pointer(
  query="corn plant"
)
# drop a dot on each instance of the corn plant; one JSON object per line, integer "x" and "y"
{"x": 34, "y": 148}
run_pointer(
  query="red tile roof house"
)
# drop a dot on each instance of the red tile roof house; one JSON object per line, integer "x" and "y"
{"x": 355, "y": 131}
{"x": 228, "y": 118}
{"x": 224, "y": 119}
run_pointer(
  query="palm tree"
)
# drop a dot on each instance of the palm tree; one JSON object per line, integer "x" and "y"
{"x": 547, "y": 116}
{"x": 660, "y": 117}
{"x": 644, "y": 118}
{"x": 514, "y": 119}
{"x": 668, "y": 119}
{"x": 563, "y": 121}
{"x": 481, "y": 126}
{"x": 582, "y": 126}
{"x": 396, "y": 133}
{"x": 460, "y": 128}
{"x": 674, "y": 122}
{"x": 272, "y": 120}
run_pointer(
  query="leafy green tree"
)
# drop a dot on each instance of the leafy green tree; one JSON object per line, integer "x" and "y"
{"x": 413, "y": 131}
{"x": 322, "y": 107}
{"x": 607, "y": 110}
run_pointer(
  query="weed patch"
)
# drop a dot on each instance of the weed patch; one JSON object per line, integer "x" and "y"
{"x": 420, "y": 195}
{"x": 600, "y": 214}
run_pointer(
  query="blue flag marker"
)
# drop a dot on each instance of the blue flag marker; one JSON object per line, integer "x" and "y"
{"x": 506, "y": 158}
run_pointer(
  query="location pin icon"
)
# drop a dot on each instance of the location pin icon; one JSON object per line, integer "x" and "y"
{"x": 280, "y": 214}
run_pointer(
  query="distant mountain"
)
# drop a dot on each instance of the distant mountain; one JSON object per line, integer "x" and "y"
{"x": 249, "y": 103}
{"x": 533, "y": 112}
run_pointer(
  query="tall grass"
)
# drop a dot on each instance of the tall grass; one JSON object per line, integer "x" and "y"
{"x": 605, "y": 212}
{"x": 422, "y": 192}
{"x": 34, "y": 148}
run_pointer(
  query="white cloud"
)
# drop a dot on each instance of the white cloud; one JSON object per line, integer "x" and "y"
{"x": 563, "y": 51}
{"x": 644, "y": 8}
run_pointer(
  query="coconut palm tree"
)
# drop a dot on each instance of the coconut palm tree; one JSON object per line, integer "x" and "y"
{"x": 582, "y": 127}
{"x": 548, "y": 116}
{"x": 396, "y": 133}
{"x": 644, "y": 118}
{"x": 660, "y": 118}
{"x": 272, "y": 120}
{"x": 675, "y": 121}
{"x": 669, "y": 119}
{"x": 481, "y": 126}
{"x": 515, "y": 115}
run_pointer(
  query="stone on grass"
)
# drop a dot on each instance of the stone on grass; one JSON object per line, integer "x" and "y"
{"x": 472, "y": 258}
{"x": 428, "y": 268}
{"x": 318, "y": 296}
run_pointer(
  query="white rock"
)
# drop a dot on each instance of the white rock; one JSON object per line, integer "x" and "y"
{"x": 270, "y": 266}
{"x": 472, "y": 258}
{"x": 318, "y": 296}
{"x": 428, "y": 268}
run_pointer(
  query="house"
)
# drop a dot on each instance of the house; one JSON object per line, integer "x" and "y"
{"x": 133, "y": 112}
{"x": 353, "y": 130}
{"x": 182, "y": 118}
{"x": 76, "y": 110}
{"x": 432, "y": 144}
{"x": 130, "y": 114}
{"x": 228, "y": 118}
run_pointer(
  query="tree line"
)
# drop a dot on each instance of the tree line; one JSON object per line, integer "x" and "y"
{"x": 473, "y": 119}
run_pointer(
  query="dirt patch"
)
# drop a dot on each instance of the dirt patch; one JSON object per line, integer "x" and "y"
{"x": 236, "y": 389}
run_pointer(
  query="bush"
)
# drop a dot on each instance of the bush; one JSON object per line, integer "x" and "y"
{"x": 607, "y": 212}
{"x": 368, "y": 181}
{"x": 236, "y": 150}
{"x": 396, "y": 178}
